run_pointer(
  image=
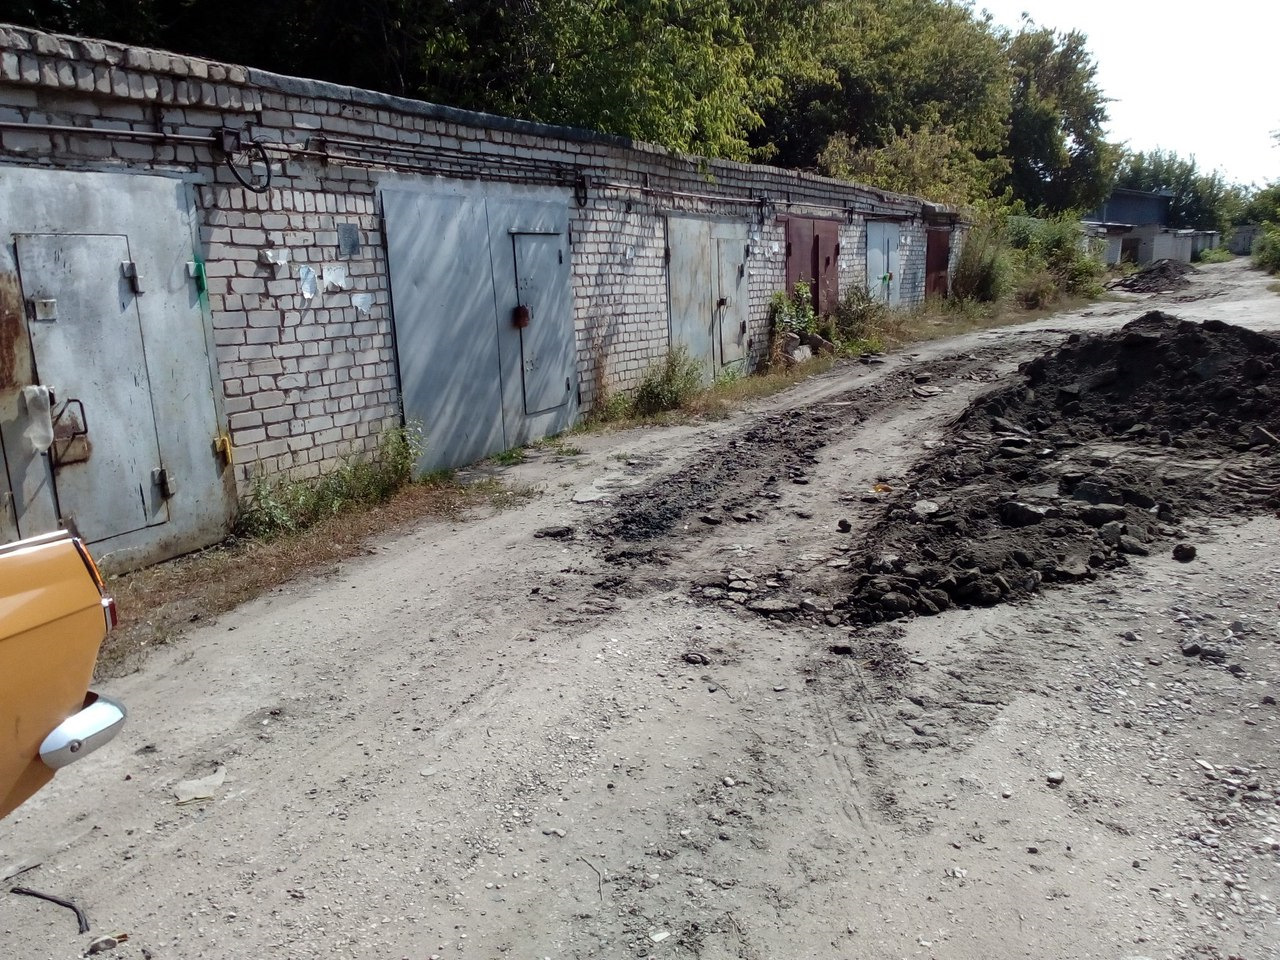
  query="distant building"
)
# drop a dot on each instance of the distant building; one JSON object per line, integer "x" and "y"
{"x": 1134, "y": 227}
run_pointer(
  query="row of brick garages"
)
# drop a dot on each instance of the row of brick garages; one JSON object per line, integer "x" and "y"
{"x": 211, "y": 273}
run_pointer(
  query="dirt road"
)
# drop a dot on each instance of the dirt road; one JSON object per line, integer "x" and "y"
{"x": 685, "y": 721}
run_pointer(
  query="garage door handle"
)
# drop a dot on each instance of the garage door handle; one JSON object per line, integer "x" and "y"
{"x": 722, "y": 302}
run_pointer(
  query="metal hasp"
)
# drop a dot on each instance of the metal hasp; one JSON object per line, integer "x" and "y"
{"x": 707, "y": 290}
{"x": 129, "y": 270}
{"x": 883, "y": 258}
{"x": 164, "y": 481}
{"x": 44, "y": 310}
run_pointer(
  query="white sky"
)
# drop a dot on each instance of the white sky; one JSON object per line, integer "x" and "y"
{"x": 1200, "y": 77}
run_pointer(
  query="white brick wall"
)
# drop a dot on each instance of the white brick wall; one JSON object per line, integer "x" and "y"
{"x": 306, "y": 382}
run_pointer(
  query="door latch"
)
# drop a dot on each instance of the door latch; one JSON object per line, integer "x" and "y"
{"x": 165, "y": 480}
{"x": 129, "y": 270}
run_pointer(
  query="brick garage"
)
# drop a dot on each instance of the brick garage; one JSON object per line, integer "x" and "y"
{"x": 307, "y": 381}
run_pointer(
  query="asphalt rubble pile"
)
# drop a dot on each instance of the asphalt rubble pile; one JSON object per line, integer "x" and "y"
{"x": 1064, "y": 474}
{"x": 1163, "y": 276}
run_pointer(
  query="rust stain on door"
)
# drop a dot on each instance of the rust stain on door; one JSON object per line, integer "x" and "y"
{"x": 15, "y": 348}
{"x": 14, "y": 344}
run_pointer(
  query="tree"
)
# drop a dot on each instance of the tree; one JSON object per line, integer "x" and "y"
{"x": 1199, "y": 201}
{"x": 928, "y": 162}
{"x": 1060, "y": 157}
{"x": 886, "y": 67}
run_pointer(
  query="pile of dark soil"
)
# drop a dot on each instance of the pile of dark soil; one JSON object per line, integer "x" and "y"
{"x": 740, "y": 480}
{"x": 1159, "y": 277}
{"x": 1093, "y": 458}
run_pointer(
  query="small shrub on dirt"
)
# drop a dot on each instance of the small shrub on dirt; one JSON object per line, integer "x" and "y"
{"x": 1266, "y": 249}
{"x": 669, "y": 384}
{"x": 283, "y": 505}
{"x": 1036, "y": 289}
{"x": 1030, "y": 261}
{"x": 1216, "y": 255}
{"x": 860, "y": 320}
{"x": 793, "y": 312}
{"x": 982, "y": 269}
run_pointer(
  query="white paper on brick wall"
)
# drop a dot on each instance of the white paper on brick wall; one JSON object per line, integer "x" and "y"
{"x": 335, "y": 277}
{"x": 307, "y": 282}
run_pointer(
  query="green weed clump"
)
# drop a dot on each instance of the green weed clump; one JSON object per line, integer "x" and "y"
{"x": 982, "y": 269}
{"x": 283, "y": 505}
{"x": 860, "y": 322}
{"x": 793, "y": 312}
{"x": 1216, "y": 255}
{"x": 1266, "y": 249}
{"x": 668, "y": 385}
{"x": 1030, "y": 262}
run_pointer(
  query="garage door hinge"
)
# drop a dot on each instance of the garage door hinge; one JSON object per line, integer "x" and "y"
{"x": 195, "y": 270}
{"x": 129, "y": 270}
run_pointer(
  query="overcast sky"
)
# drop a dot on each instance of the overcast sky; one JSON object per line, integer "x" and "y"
{"x": 1201, "y": 78}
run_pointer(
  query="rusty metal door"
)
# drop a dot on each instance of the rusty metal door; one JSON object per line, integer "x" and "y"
{"x": 87, "y": 348}
{"x": 800, "y": 251}
{"x": 826, "y": 266}
{"x": 937, "y": 263}
{"x": 546, "y": 343}
{"x": 730, "y": 293}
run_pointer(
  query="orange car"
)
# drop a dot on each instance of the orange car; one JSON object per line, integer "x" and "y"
{"x": 54, "y": 615}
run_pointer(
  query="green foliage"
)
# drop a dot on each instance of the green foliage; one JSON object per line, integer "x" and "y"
{"x": 1060, "y": 158}
{"x": 1033, "y": 262}
{"x": 728, "y": 376}
{"x": 982, "y": 269}
{"x": 859, "y": 321}
{"x": 793, "y": 313}
{"x": 1216, "y": 255}
{"x": 1262, "y": 206}
{"x": 669, "y": 384}
{"x": 918, "y": 96}
{"x": 887, "y": 67}
{"x": 1199, "y": 201}
{"x": 284, "y": 505}
{"x": 613, "y": 408}
{"x": 928, "y": 162}
{"x": 509, "y": 458}
{"x": 1266, "y": 249}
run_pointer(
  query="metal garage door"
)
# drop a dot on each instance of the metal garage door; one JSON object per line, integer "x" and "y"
{"x": 883, "y": 271}
{"x": 86, "y": 338}
{"x": 462, "y": 258}
{"x": 109, "y": 403}
{"x": 707, "y": 291}
{"x": 446, "y": 324}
